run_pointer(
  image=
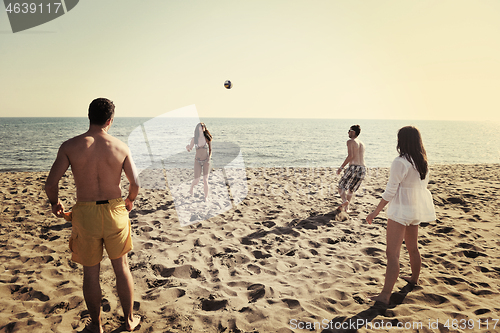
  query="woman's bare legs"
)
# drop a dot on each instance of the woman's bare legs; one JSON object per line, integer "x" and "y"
{"x": 206, "y": 172}
{"x": 394, "y": 239}
{"x": 197, "y": 174}
{"x": 411, "y": 235}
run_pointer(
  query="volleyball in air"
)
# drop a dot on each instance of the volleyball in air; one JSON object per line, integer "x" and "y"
{"x": 228, "y": 84}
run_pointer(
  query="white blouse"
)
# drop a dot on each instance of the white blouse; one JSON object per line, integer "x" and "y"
{"x": 410, "y": 202}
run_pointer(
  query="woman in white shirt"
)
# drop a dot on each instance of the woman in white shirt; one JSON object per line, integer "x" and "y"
{"x": 409, "y": 203}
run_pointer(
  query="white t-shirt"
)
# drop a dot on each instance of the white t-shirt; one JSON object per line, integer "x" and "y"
{"x": 410, "y": 202}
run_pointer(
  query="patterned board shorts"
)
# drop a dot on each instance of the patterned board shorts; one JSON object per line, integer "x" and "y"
{"x": 352, "y": 177}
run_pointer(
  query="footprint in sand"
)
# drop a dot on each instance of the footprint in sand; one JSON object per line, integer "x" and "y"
{"x": 37, "y": 260}
{"x": 212, "y": 304}
{"x": 473, "y": 254}
{"x": 256, "y": 291}
{"x": 106, "y": 307}
{"x": 291, "y": 303}
{"x": 254, "y": 269}
{"x": 27, "y": 293}
{"x": 182, "y": 272}
{"x": 433, "y": 299}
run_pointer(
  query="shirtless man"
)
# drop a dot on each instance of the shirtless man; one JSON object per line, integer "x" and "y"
{"x": 100, "y": 215}
{"x": 352, "y": 177}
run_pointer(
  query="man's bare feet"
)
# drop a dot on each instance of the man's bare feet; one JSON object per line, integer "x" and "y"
{"x": 410, "y": 280}
{"x": 343, "y": 206}
{"x": 91, "y": 328}
{"x": 381, "y": 298}
{"x": 132, "y": 325}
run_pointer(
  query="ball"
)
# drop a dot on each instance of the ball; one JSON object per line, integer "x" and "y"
{"x": 228, "y": 84}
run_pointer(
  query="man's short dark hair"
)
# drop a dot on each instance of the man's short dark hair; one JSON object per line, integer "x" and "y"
{"x": 100, "y": 110}
{"x": 356, "y": 129}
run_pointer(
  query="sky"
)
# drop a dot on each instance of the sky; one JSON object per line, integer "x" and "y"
{"x": 338, "y": 59}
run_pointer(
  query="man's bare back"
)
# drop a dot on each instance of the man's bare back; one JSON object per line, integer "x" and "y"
{"x": 96, "y": 160}
{"x": 356, "y": 149}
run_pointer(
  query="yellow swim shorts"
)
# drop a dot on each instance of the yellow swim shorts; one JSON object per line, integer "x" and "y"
{"x": 97, "y": 223}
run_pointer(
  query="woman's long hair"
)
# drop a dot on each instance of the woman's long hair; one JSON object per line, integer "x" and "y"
{"x": 410, "y": 146}
{"x": 206, "y": 133}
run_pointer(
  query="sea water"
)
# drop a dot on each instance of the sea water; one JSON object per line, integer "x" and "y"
{"x": 31, "y": 144}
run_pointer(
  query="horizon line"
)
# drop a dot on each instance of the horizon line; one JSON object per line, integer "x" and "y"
{"x": 202, "y": 117}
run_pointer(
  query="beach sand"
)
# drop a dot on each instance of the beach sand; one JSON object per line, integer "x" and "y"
{"x": 281, "y": 259}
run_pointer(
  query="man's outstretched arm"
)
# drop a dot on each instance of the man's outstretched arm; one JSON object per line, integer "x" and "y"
{"x": 61, "y": 164}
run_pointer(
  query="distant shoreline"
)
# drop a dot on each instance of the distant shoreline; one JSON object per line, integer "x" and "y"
{"x": 333, "y": 169}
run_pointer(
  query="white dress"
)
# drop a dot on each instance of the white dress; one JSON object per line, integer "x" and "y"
{"x": 410, "y": 202}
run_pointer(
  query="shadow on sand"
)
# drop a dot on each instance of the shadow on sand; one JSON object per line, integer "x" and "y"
{"x": 312, "y": 222}
{"x": 364, "y": 319}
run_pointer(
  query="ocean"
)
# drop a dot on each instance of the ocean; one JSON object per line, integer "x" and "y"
{"x": 31, "y": 144}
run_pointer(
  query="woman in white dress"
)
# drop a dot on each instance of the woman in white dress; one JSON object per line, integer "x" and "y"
{"x": 409, "y": 203}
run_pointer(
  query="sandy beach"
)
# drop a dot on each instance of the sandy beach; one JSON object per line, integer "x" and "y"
{"x": 281, "y": 259}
